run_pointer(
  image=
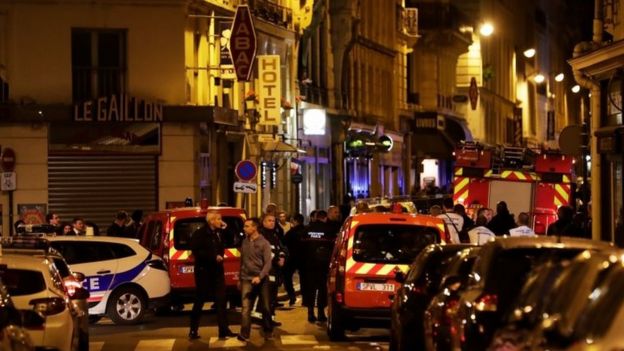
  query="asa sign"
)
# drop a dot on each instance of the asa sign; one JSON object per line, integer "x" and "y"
{"x": 243, "y": 43}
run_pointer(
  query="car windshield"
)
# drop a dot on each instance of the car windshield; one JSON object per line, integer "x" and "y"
{"x": 383, "y": 243}
{"x": 22, "y": 281}
{"x": 184, "y": 228}
{"x": 605, "y": 302}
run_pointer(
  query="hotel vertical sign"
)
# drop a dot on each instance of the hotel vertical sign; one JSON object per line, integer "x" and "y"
{"x": 270, "y": 90}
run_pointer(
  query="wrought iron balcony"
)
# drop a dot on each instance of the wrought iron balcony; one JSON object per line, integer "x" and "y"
{"x": 271, "y": 12}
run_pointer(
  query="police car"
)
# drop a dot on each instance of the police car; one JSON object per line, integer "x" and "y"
{"x": 123, "y": 278}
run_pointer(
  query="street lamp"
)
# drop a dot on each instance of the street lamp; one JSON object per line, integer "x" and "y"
{"x": 486, "y": 29}
{"x": 539, "y": 78}
{"x": 575, "y": 89}
{"x": 559, "y": 77}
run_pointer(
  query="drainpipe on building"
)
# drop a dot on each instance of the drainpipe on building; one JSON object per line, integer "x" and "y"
{"x": 594, "y": 87}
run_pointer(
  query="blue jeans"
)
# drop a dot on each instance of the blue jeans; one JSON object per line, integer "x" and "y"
{"x": 249, "y": 293}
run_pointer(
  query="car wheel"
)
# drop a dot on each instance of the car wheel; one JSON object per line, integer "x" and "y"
{"x": 126, "y": 306}
{"x": 335, "y": 324}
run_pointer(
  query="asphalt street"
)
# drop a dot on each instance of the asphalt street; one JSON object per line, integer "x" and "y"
{"x": 169, "y": 333}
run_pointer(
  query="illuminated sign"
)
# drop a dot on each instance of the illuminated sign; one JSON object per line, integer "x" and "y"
{"x": 270, "y": 93}
{"x": 314, "y": 121}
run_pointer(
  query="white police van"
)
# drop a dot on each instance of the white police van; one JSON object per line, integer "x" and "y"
{"x": 123, "y": 278}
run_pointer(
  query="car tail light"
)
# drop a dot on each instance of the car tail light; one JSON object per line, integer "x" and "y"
{"x": 48, "y": 306}
{"x": 487, "y": 303}
{"x": 157, "y": 264}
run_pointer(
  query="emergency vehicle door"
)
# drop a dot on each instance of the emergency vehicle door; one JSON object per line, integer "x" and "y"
{"x": 517, "y": 195}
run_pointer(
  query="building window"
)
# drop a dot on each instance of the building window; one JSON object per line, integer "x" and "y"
{"x": 98, "y": 63}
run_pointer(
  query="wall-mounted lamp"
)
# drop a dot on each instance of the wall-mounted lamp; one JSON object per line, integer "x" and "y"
{"x": 559, "y": 77}
{"x": 575, "y": 89}
{"x": 529, "y": 53}
{"x": 486, "y": 29}
{"x": 539, "y": 78}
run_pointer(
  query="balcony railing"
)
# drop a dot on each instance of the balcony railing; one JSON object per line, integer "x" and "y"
{"x": 271, "y": 12}
{"x": 439, "y": 16}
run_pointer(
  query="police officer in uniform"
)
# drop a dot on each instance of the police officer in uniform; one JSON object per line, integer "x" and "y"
{"x": 208, "y": 252}
{"x": 318, "y": 244}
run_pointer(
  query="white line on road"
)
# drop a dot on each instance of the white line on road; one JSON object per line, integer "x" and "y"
{"x": 155, "y": 345}
{"x": 229, "y": 342}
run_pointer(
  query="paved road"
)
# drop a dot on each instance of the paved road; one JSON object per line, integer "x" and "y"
{"x": 169, "y": 333}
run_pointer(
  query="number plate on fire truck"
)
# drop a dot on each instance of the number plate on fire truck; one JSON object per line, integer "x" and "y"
{"x": 186, "y": 269}
{"x": 375, "y": 287}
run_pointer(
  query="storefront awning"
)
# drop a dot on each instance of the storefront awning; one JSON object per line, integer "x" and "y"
{"x": 435, "y": 135}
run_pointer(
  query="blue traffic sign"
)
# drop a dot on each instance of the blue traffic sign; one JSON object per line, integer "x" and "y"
{"x": 246, "y": 170}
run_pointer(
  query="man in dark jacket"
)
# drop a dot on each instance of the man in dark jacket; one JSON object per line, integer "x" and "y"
{"x": 503, "y": 221}
{"x": 333, "y": 218}
{"x": 318, "y": 243}
{"x": 292, "y": 240}
{"x": 279, "y": 251}
{"x": 207, "y": 248}
{"x": 118, "y": 227}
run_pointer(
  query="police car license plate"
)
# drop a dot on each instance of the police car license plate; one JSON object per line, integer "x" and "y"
{"x": 186, "y": 269}
{"x": 375, "y": 287}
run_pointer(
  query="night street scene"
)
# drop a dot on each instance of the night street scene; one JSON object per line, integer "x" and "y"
{"x": 349, "y": 175}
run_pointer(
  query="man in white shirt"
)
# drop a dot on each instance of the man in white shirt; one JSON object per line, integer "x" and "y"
{"x": 523, "y": 228}
{"x": 480, "y": 234}
{"x": 454, "y": 222}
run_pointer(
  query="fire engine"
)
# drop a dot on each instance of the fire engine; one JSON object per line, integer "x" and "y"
{"x": 528, "y": 181}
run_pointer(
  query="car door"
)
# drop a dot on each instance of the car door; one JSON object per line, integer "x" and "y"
{"x": 95, "y": 260}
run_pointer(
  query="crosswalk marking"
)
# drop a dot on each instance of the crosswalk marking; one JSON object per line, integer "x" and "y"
{"x": 298, "y": 340}
{"x": 155, "y": 345}
{"x": 229, "y": 342}
{"x": 96, "y": 346}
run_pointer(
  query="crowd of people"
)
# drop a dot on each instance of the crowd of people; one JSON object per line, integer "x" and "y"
{"x": 275, "y": 247}
{"x": 123, "y": 225}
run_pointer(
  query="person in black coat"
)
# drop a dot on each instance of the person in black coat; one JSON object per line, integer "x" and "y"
{"x": 503, "y": 221}
{"x": 292, "y": 240}
{"x": 208, "y": 252}
{"x": 318, "y": 244}
{"x": 271, "y": 234}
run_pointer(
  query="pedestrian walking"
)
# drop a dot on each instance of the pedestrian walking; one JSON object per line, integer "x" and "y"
{"x": 269, "y": 232}
{"x": 255, "y": 266}
{"x": 318, "y": 243}
{"x": 208, "y": 252}
{"x": 503, "y": 221}
{"x": 453, "y": 221}
{"x": 292, "y": 240}
{"x": 523, "y": 228}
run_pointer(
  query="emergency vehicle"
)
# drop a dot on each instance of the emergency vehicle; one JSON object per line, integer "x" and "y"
{"x": 167, "y": 234}
{"x": 536, "y": 183}
{"x": 369, "y": 250}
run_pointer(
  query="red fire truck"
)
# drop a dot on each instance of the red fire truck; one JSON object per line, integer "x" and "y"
{"x": 528, "y": 181}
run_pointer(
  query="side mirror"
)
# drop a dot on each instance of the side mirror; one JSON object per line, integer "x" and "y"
{"x": 79, "y": 276}
{"x": 80, "y": 294}
{"x": 31, "y": 319}
{"x": 399, "y": 277}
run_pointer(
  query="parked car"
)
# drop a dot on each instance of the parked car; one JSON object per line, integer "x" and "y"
{"x": 37, "y": 246}
{"x": 34, "y": 283}
{"x": 572, "y": 292}
{"x": 417, "y": 289}
{"x": 167, "y": 234}
{"x": 497, "y": 277}
{"x": 13, "y": 323}
{"x": 123, "y": 278}
{"x": 369, "y": 249}
{"x": 599, "y": 324}
{"x": 443, "y": 306}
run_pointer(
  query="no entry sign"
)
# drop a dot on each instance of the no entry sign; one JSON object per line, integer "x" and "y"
{"x": 7, "y": 162}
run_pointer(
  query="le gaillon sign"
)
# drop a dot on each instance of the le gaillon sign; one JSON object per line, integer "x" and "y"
{"x": 118, "y": 108}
